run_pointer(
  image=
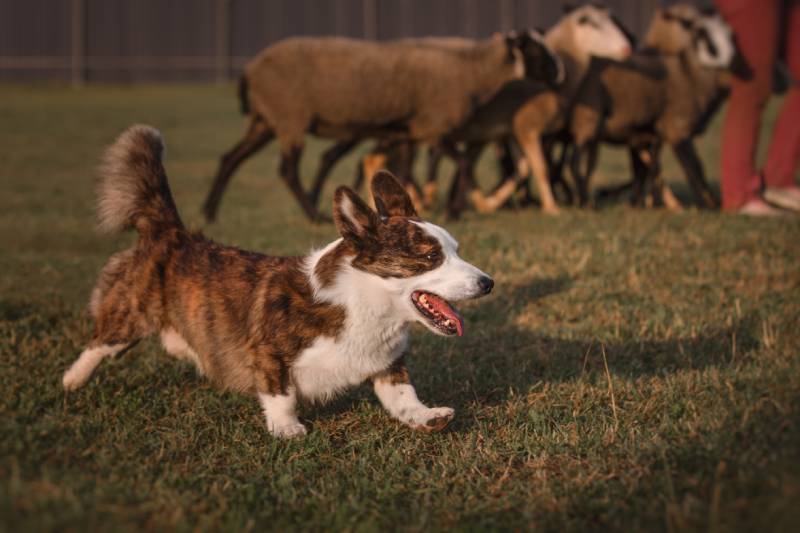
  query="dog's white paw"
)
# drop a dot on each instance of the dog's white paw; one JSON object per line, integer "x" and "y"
{"x": 429, "y": 418}
{"x": 74, "y": 378}
{"x": 289, "y": 431}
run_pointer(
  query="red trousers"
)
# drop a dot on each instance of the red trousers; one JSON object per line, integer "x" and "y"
{"x": 757, "y": 25}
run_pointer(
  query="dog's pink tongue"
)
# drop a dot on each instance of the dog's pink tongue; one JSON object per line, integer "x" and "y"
{"x": 445, "y": 309}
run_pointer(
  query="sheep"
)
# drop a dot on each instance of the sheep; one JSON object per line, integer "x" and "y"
{"x": 528, "y": 111}
{"x": 344, "y": 88}
{"x": 540, "y": 64}
{"x": 618, "y": 104}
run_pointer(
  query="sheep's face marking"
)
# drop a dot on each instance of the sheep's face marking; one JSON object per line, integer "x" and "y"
{"x": 414, "y": 263}
{"x": 513, "y": 44}
{"x": 714, "y": 42}
{"x": 598, "y": 33}
{"x": 541, "y": 63}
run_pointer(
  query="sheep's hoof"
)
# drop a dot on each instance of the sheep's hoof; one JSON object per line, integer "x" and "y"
{"x": 553, "y": 210}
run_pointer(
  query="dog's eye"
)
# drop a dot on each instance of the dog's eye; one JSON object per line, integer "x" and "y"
{"x": 432, "y": 256}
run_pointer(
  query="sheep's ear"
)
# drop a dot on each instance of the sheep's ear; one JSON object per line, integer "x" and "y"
{"x": 391, "y": 199}
{"x": 353, "y": 218}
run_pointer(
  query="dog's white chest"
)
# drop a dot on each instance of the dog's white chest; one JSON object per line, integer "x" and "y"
{"x": 330, "y": 365}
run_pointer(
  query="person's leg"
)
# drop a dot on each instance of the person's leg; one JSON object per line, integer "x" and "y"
{"x": 784, "y": 149}
{"x": 755, "y": 23}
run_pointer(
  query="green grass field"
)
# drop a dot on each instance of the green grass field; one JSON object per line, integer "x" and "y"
{"x": 632, "y": 370}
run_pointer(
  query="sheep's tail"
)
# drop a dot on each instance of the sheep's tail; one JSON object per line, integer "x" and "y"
{"x": 133, "y": 190}
{"x": 243, "y": 99}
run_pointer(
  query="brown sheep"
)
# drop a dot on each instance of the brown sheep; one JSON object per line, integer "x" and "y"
{"x": 618, "y": 104}
{"x": 345, "y": 88}
{"x": 527, "y": 111}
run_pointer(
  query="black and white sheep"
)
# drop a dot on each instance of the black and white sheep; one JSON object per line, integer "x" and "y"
{"x": 528, "y": 112}
{"x": 618, "y": 104}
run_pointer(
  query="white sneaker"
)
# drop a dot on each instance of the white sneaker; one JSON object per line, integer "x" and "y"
{"x": 760, "y": 208}
{"x": 787, "y": 198}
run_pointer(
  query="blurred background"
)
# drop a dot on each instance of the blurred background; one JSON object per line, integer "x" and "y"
{"x": 202, "y": 40}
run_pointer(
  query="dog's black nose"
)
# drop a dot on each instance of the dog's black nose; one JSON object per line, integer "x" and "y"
{"x": 485, "y": 284}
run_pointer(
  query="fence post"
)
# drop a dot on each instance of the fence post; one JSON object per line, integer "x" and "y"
{"x": 78, "y": 42}
{"x": 222, "y": 46}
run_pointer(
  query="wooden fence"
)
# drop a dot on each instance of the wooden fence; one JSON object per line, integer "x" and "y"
{"x": 185, "y": 40}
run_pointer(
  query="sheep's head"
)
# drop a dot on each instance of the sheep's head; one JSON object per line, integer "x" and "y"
{"x": 716, "y": 46}
{"x": 593, "y": 30}
{"x": 541, "y": 63}
{"x": 683, "y": 28}
{"x": 671, "y": 29}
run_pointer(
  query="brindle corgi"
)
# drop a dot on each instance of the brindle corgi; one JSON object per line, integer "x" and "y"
{"x": 280, "y": 328}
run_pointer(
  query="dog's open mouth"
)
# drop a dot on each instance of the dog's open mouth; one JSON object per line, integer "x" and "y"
{"x": 438, "y": 312}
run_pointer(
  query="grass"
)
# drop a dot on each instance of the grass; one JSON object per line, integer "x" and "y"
{"x": 632, "y": 370}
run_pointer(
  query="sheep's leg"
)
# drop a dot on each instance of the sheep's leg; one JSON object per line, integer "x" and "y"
{"x": 555, "y": 168}
{"x": 532, "y": 146}
{"x": 558, "y": 176}
{"x": 435, "y": 153}
{"x": 406, "y": 153}
{"x": 505, "y": 189}
{"x": 458, "y": 190}
{"x": 654, "y": 174}
{"x": 480, "y": 201}
{"x": 640, "y": 159}
{"x": 331, "y": 156}
{"x": 581, "y": 177}
{"x": 521, "y": 177}
{"x": 289, "y": 173}
{"x": 258, "y": 134}
{"x": 370, "y": 165}
{"x": 514, "y": 173}
{"x": 358, "y": 182}
{"x": 506, "y": 164}
{"x": 693, "y": 167}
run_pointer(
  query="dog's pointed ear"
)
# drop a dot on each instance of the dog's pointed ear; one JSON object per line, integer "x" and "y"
{"x": 354, "y": 219}
{"x": 391, "y": 199}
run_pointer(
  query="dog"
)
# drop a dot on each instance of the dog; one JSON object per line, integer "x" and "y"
{"x": 279, "y": 328}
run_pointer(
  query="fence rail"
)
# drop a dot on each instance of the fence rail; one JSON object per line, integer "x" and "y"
{"x": 174, "y": 40}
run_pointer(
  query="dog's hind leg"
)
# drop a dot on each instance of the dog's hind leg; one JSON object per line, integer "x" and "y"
{"x": 177, "y": 346}
{"x": 81, "y": 370}
{"x": 123, "y": 315}
{"x": 395, "y": 392}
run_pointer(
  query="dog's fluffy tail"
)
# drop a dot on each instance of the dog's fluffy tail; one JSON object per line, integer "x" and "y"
{"x": 133, "y": 190}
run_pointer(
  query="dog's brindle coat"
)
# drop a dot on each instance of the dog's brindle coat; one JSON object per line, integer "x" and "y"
{"x": 275, "y": 327}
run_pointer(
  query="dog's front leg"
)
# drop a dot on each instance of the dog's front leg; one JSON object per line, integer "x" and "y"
{"x": 395, "y": 392}
{"x": 280, "y": 410}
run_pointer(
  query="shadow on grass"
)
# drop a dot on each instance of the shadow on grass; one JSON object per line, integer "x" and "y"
{"x": 509, "y": 357}
{"x": 682, "y": 191}
{"x": 505, "y": 357}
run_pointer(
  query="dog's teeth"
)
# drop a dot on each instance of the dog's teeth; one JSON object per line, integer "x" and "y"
{"x": 423, "y": 299}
